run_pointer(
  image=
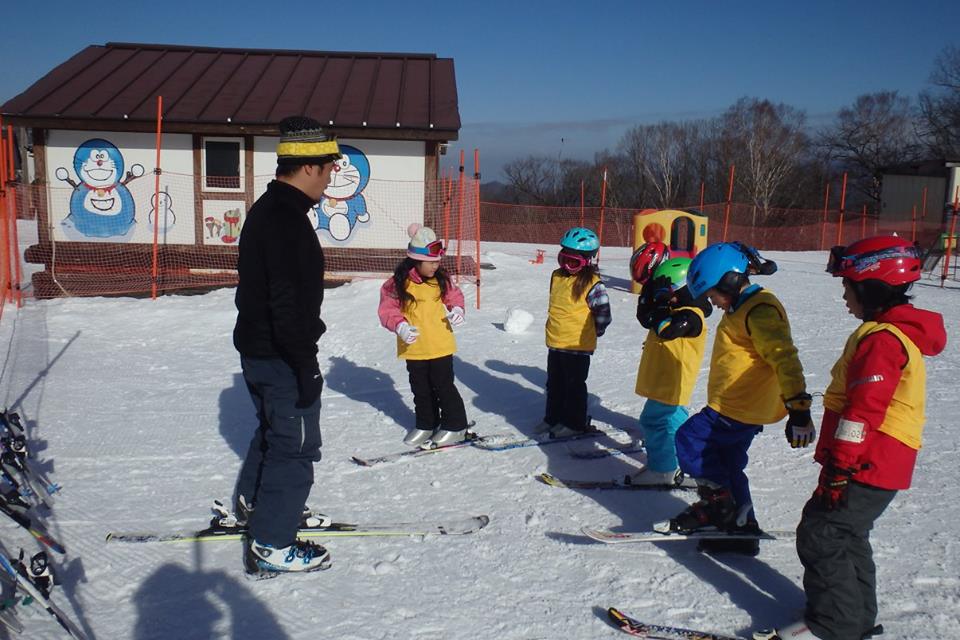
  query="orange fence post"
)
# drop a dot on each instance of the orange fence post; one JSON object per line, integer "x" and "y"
{"x": 948, "y": 245}
{"x": 603, "y": 204}
{"x": 913, "y": 224}
{"x": 460, "y": 217}
{"x": 581, "y": 203}
{"x": 823, "y": 222}
{"x": 447, "y": 190}
{"x": 843, "y": 201}
{"x": 476, "y": 179}
{"x": 7, "y": 292}
{"x": 726, "y": 208}
{"x": 15, "y": 240}
{"x": 703, "y": 186}
{"x": 863, "y": 223}
{"x": 923, "y": 207}
{"x": 156, "y": 199}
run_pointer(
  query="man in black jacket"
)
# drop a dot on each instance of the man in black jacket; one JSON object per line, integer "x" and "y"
{"x": 278, "y": 324}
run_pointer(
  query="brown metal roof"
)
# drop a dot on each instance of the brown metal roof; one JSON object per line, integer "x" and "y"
{"x": 250, "y": 89}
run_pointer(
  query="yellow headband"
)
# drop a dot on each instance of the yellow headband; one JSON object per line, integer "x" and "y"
{"x": 308, "y": 149}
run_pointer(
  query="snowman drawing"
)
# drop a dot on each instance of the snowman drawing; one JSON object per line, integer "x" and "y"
{"x": 343, "y": 204}
{"x": 167, "y": 217}
{"x": 101, "y": 205}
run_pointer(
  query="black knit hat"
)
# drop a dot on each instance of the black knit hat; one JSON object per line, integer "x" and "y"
{"x": 303, "y": 141}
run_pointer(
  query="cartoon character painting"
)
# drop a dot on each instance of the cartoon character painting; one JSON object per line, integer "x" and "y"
{"x": 101, "y": 205}
{"x": 343, "y": 204}
{"x": 166, "y": 218}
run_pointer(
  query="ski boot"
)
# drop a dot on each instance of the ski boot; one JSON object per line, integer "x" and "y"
{"x": 417, "y": 436}
{"x": 647, "y": 476}
{"x": 263, "y": 561}
{"x": 443, "y": 437}
{"x": 714, "y": 511}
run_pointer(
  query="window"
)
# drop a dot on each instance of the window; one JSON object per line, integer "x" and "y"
{"x": 222, "y": 164}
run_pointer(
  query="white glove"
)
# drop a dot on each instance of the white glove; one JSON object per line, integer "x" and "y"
{"x": 407, "y": 332}
{"x": 455, "y": 316}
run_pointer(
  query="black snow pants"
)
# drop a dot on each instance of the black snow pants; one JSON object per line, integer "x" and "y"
{"x": 840, "y": 578}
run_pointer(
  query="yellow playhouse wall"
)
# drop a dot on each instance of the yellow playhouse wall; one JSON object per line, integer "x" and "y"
{"x": 651, "y": 225}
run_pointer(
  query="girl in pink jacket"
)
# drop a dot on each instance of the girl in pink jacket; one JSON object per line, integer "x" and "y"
{"x": 421, "y": 305}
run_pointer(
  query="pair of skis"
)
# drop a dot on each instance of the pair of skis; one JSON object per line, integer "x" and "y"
{"x": 27, "y": 488}
{"x": 221, "y": 529}
{"x": 33, "y": 584}
{"x": 505, "y": 442}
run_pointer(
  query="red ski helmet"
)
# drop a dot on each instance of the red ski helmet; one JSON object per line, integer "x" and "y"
{"x": 890, "y": 259}
{"x": 646, "y": 259}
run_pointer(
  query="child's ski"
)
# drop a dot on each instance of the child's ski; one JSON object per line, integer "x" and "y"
{"x": 501, "y": 442}
{"x": 549, "y": 479}
{"x": 621, "y": 537}
{"x": 660, "y": 631}
{"x": 607, "y": 452}
{"x": 217, "y": 532}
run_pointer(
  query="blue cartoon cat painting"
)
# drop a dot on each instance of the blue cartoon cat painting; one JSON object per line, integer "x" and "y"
{"x": 343, "y": 204}
{"x": 101, "y": 205}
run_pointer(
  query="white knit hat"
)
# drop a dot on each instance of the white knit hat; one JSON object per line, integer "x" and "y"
{"x": 420, "y": 238}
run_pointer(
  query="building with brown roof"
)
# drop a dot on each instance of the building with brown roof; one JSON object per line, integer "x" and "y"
{"x": 93, "y": 125}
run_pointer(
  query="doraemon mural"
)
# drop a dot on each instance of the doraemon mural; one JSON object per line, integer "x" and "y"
{"x": 101, "y": 205}
{"x": 343, "y": 205}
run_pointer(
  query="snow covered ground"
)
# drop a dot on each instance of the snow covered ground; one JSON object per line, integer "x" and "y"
{"x": 138, "y": 409}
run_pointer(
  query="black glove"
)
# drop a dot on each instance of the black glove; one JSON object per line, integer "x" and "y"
{"x": 309, "y": 386}
{"x": 832, "y": 487}
{"x": 661, "y": 289}
{"x": 680, "y": 324}
{"x": 799, "y": 431}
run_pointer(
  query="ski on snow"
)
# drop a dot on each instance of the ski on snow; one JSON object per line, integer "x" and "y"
{"x": 564, "y": 483}
{"x": 20, "y": 575}
{"x": 215, "y": 531}
{"x": 502, "y": 442}
{"x": 639, "y": 629}
{"x": 622, "y": 537}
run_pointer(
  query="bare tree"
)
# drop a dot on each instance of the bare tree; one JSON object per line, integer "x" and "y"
{"x": 876, "y": 131}
{"x": 940, "y": 106}
{"x": 534, "y": 179}
{"x": 666, "y": 158}
{"x": 766, "y": 141}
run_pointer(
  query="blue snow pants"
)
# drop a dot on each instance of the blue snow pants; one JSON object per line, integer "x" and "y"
{"x": 713, "y": 447}
{"x": 277, "y": 473}
{"x": 659, "y": 423}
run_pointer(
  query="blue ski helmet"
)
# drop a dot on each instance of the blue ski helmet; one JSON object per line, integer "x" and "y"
{"x": 580, "y": 239}
{"x": 711, "y": 266}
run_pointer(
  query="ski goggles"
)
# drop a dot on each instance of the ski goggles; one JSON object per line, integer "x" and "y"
{"x": 433, "y": 250}
{"x": 839, "y": 263}
{"x": 571, "y": 262}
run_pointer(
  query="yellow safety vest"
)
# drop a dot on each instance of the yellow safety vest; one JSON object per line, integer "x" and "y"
{"x": 905, "y": 417}
{"x": 668, "y": 368}
{"x": 569, "y": 321}
{"x": 429, "y": 315}
{"x": 743, "y": 384}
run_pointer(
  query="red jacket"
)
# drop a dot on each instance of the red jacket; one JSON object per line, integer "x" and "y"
{"x": 879, "y": 358}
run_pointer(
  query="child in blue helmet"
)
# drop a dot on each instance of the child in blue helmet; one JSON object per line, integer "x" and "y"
{"x": 579, "y": 312}
{"x": 669, "y": 366}
{"x": 756, "y": 378}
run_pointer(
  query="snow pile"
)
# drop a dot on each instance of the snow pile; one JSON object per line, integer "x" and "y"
{"x": 517, "y": 320}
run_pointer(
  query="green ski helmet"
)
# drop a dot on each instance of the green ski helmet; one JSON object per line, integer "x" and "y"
{"x": 675, "y": 270}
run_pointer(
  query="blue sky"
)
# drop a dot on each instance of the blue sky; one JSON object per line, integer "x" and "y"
{"x": 531, "y": 74}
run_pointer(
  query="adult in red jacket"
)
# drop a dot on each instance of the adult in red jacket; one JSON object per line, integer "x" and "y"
{"x": 870, "y": 435}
